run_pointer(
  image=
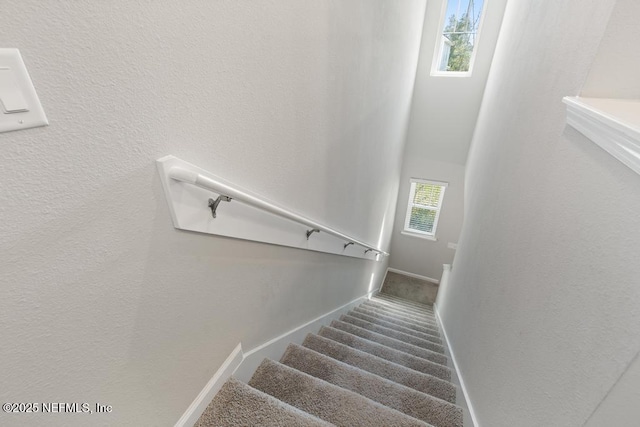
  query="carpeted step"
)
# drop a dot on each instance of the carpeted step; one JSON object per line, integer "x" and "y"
{"x": 405, "y": 302}
{"x": 409, "y": 317}
{"x": 392, "y": 333}
{"x": 324, "y": 400}
{"x": 365, "y": 315}
{"x": 395, "y": 303}
{"x": 424, "y": 327}
{"x": 393, "y": 395}
{"x": 383, "y": 368}
{"x": 237, "y": 404}
{"x": 409, "y": 309}
{"x": 390, "y": 342}
{"x": 396, "y": 356}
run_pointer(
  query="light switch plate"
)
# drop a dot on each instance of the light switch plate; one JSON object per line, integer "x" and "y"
{"x": 452, "y": 245}
{"x": 20, "y": 107}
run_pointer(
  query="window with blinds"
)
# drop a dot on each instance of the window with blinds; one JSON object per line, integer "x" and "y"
{"x": 423, "y": 209}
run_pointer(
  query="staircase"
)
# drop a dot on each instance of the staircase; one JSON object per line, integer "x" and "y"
{"x": 382, "y": 364}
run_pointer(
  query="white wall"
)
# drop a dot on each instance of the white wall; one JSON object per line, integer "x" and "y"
{"x": 542, "y": 307}
{"x": 443, "y": 117}
{"x": 103, "y": 301}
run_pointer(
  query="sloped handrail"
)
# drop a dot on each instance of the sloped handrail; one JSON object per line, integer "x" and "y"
{"x": 194, "y": 178}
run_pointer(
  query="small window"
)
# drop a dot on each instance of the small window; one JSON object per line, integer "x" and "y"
{"x": 459, "y": 36}
{"x": 423, "y": 210}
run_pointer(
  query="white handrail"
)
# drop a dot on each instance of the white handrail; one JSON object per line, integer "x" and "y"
{"x": 184, "y": 175}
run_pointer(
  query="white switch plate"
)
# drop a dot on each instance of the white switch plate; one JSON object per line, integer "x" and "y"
{"x": 452, "y": 245}
{"x": 20, "y": 107}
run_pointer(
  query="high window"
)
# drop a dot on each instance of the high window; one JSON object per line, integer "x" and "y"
{"x": 457, "y": 42}
{"x": 423, "y": 209}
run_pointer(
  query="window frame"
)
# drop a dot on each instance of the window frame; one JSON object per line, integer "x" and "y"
{"x": 437, "y": 55}
{"x": 412, "y": 193}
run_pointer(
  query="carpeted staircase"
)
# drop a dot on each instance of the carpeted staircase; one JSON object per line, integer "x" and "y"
{"x": 382, "y": 364}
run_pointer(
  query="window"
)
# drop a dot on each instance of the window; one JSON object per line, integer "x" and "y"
{"x": 423, "y": 210}
{"x": 457, "y": 42}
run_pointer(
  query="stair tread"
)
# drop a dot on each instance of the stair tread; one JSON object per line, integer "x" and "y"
{"x": 238, "y": 404}
{"x": 387, "y": 369}
{"x": 387, "y": 353}
{"x": 391, "y": 394}
{"x": 393, "y": 303}
{"x": 399, "y": 306}
{"x": 431, "y": 335}
{"x": 391, "y": 342}
{"x": 405, "y": 302}
{"x": 392, "y": 333}
{"x": 424, "y": 327}
{"x": 409, "y": 317}
{"x": 329, "y": 402}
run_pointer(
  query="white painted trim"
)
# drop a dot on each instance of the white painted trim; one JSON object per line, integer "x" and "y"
{"x": 472, "y": 412}
{"x": 613, "y": 124}
{"x": 197, "y": 407}
{"x": 419, "y": 236}
{"x": 275, "y": 347}
{"x": 415, "y": 276}
{"x": 248, "y": 216}
{"x": 242, "y": 365}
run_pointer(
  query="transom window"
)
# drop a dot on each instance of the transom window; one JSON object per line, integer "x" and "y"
{"x": 423, "y": 209}
{"x": 457, "y": 42}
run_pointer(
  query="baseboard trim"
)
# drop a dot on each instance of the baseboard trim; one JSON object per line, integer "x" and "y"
{"x": 242, "y": 365}
{"x": 275, "y": 347}
{"x": 472, "y": 412}
{"x": 415, "y": 276}
{"x": 197, "y": 407}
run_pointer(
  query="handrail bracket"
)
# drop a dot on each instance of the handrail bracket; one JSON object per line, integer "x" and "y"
{"x": 310, "y": 232}
{"x": 213, "y": 204}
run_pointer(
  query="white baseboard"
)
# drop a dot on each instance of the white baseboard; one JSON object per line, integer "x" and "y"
{"x": 274, "y": 348}
{"x": 474, "y": 419}
{"x": 415, "y": 276}
{"x": 214, "y": 385}
{"x": 242, "y": 365}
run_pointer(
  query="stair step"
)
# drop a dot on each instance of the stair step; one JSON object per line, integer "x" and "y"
{"x": 424, "y": 327}
{"x": 326, "y": 401}
{"x": 390, "y": 342}
{"x": 396, "y": 356}
{"x": 400, "y": 374}
{"x": 395, "y": 304}
{"x": 237, "y": 404}
{"x": 409, "y": 317}
{"x": 399, "y": 306}
{"x": 405, "y": 302}
{"x": 429, "y": 337}
{"x": 392, "y": 333}
{"x": 393, "y": 395}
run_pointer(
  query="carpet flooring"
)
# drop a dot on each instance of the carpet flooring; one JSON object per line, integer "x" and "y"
{"x": 381, "y": 364}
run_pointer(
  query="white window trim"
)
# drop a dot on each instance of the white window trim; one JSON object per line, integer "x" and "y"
{"x": 416, "y": 233}
{"x": 435, "y": 72}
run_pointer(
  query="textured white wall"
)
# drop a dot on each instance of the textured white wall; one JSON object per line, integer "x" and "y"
{"x": 443, "y": 118}
{"x": 543, "y": 304}
{"x": 103, "y": 301}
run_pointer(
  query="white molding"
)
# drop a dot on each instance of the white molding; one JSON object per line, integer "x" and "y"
{"x": 419, "y": 236}
{"x": 613, "y": 124}
{"x": 275, "y": 347}
{"x": 248, "y": 216}
{"x": 197, "y": 407}
{"x": 415, "y": 276}
{"x": 242, "y": 365}
{"x": 463, "y": 387}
